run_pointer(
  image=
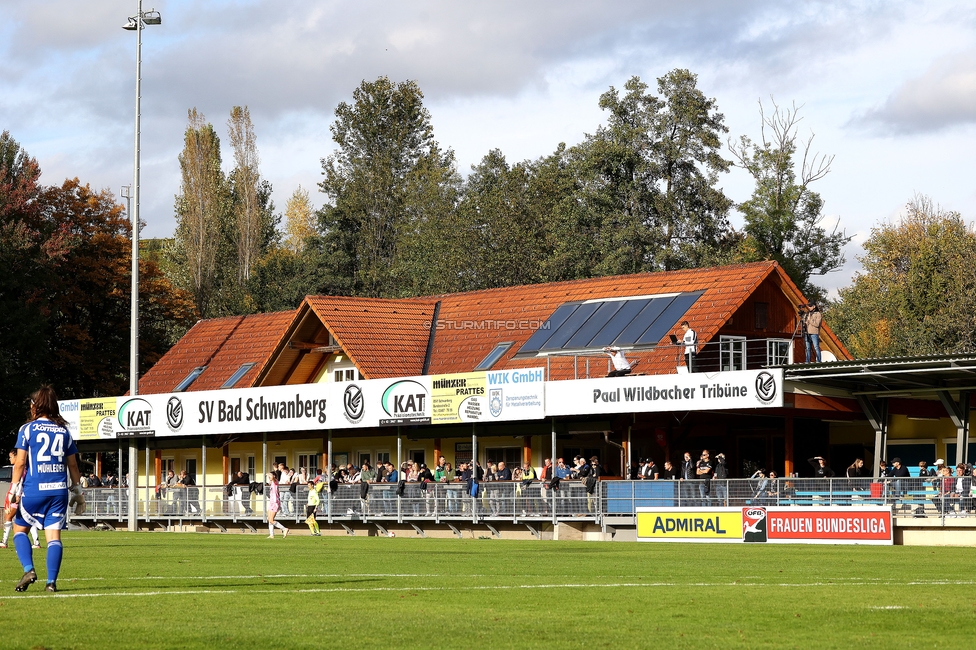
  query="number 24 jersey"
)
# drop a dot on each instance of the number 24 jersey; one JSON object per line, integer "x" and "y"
{"x": 47, "y": 445}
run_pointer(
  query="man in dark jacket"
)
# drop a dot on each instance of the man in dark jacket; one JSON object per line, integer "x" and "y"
{"x": 820, "y": 469}
{"x": 721, "y": 482}
{"x": 687, "y": 489}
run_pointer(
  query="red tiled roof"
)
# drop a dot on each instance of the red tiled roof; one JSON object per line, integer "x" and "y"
{"x": 383, "y": 337}
{"x": 389, "y": 337}
{"x": 460, "y": 345}
{"x": 221, "y": 344}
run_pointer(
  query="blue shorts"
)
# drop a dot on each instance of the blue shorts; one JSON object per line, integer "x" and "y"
{"x": 47, "y": 512}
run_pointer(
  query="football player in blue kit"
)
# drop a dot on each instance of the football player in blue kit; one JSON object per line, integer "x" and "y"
{"x": 46, "y": 458}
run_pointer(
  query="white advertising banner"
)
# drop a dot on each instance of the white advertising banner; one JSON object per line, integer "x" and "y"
{"x": 502, "y": 395}
{"x": 683, "y": 392}
{"x": 516, "y": 394}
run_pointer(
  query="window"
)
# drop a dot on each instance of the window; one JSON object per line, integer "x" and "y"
{"x": 494, "y": 356}
{"x": 309, "y": 461}
{"x": 597, "y": 323}
{"x": 348, "y": 374}
{"x": 778, "y": 352}
{"x": 762, "y": 315}
{"x": 238, "y": 375}
{"x": 190, "y": 378}
{"x": 732, "y": 352}
{"x": 382, "y": 457}
{"x": 512, "y": 456}
{"x": 250, "y": 466}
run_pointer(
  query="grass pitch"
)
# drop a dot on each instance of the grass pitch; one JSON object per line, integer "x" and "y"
{"x": 160, "y": 590}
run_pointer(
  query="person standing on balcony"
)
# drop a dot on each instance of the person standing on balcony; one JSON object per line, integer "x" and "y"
{"x": 690, "y": 340}
{"x": 820, "y": 468}
{"x": 812, "y": 320}
{"x": 703, "y": 471}
{"x": 721, "y": 480}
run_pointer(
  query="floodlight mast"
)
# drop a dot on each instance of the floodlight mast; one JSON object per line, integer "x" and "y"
{"x": 136, "y": 24}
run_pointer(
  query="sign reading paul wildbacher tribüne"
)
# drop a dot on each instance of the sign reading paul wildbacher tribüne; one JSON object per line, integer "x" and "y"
{"x": 686, "y": 392}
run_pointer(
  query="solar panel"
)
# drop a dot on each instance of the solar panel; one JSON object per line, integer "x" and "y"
{"x": 642, "y": 321}
{"x": 594, "y": 324}
{"x": 626, "y": 313}
{"x": 548, "y": 328}
{"x": 668, "y": 318}
{"x": 572, "y": 325}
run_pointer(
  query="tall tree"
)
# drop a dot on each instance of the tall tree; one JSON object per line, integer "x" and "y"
{"x": 300, "y": 220}
{"x": 201, "y": 208}
{"x": 917, "y": 292}
{"x": 783, "y": 217}
{"x": 692, "y": 213}
{"x": 650, "y": 177}
{"x": 88, "y": 326}
{"x": 31, "y": 255}
{"x": 248, "y": 231}
{"x": 376, "y": 182}
{"x": 505, "y": 237}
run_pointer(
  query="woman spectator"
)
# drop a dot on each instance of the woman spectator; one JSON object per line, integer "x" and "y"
{"x": 274, "y": 505}
{"x": 491, "y": 491}
{"x": 855, "y": 472}
{"x": 450, "y": 491}
{"x": 413, "y": 489}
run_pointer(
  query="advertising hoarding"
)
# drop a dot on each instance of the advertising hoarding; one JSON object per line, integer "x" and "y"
{"x": 772, "y": 524}
{"x": 683, "y": 392}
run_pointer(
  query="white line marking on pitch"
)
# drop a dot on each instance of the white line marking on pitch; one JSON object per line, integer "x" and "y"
{"x": 452, "y": 588}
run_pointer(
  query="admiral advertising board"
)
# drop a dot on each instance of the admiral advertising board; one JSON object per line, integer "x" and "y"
{"x": 738, "y": 389}
{"x": 772, "y": 524}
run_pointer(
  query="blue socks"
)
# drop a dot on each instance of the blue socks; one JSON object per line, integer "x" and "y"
{"x": 54, "y": 552}
{"x": 24, "y": 552}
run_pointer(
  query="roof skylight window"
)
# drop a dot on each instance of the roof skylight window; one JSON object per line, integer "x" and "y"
{"x": 190, "y": 378}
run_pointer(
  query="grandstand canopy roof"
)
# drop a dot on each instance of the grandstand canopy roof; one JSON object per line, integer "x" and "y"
{"x": 893, "y": 376}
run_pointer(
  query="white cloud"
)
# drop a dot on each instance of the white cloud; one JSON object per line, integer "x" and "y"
{"x": 943, "y": 97}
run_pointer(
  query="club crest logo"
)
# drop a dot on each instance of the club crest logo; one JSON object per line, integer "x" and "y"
{"x": 765, "y": 387}
{"x": 495, "y": 402}
{"x": 353, "y": 404}
{"x": 174, "y": 414}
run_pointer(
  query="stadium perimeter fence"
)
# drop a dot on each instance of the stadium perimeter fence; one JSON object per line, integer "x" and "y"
{"x": 520, "y": 502}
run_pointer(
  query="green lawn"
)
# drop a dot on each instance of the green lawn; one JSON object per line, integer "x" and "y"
{"x": 169, "y": 590}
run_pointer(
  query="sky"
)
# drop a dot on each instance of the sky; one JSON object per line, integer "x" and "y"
{"x": 888, "y": 88}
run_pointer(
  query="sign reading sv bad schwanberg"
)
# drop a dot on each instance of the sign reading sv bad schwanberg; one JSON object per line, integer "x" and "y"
{"x": 685, "y": 392}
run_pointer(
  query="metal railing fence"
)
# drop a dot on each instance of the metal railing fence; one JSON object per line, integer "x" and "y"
{"x": 939, "y": 497}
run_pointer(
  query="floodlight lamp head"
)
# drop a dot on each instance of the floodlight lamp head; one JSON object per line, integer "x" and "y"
{"x": 152, "y": 17}
{"x": 132, "y": 25}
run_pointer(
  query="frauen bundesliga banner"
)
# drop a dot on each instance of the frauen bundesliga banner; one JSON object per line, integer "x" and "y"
{"x": 775, "y": 525}
{"x": 683, "y": 392}
{"x": 472, "y": 397}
